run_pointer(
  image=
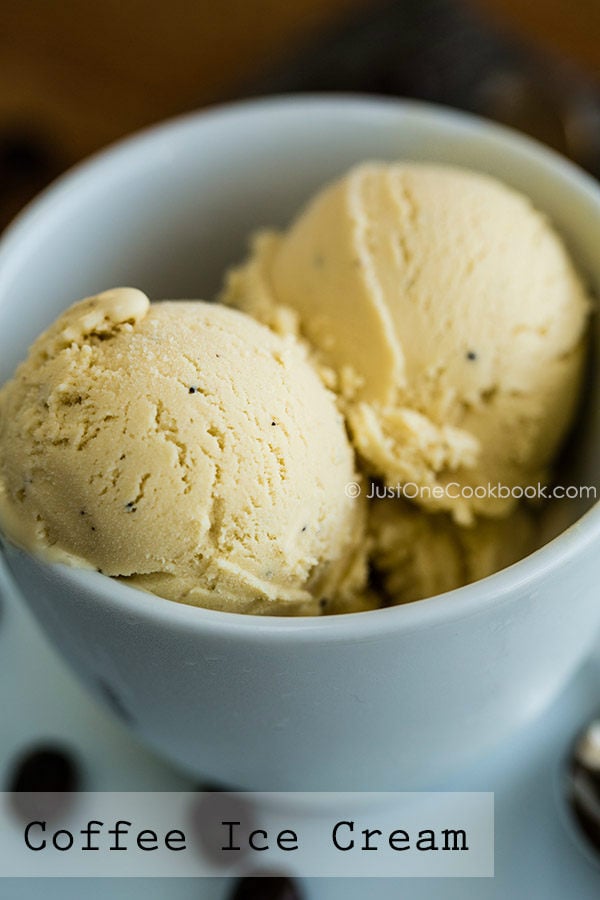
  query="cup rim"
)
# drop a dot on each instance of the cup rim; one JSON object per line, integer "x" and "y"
{"x": 469, "y": 600}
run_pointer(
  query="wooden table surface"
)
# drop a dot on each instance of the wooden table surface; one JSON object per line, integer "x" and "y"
{"x": 76, "y": 75}
{"x": 570, "y": 27}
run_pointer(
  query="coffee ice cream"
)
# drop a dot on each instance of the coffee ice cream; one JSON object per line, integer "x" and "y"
{"x": 188, "y": 449}
{"x": 417, "y": 555}
{"x": 447, "y": 315}
{"x": 417, "y": 325}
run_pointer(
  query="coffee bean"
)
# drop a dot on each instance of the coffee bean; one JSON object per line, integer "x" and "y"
{"x": 208, "y": 811}
{"x": 42, "y": 782}
{"x": 25, "y": 154}
{"x": 278, "y": 887}
{"x": 212, "y": 787}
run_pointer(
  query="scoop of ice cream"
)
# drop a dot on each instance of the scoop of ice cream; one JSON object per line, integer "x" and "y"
{"x": 418, "y": 555}
{"x": 447, "y": 314}
{"x": 187, "y": 448}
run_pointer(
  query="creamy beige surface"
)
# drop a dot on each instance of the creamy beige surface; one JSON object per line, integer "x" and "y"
{"x": 187, "y": 448}
{"x": 196, "y": 453}
{"x": 419, "y": 555}
{"x": 446, "y": 313}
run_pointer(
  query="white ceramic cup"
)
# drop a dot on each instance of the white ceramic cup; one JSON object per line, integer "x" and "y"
{"x": 389, "y": 699}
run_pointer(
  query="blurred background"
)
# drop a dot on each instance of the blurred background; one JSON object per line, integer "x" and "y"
{"x": 76, "y": 75}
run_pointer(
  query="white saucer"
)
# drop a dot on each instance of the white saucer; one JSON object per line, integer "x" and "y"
{"x": 539, "y": 855}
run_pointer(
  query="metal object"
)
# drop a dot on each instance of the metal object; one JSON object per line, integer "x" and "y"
{"x": 584, "y": 783}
